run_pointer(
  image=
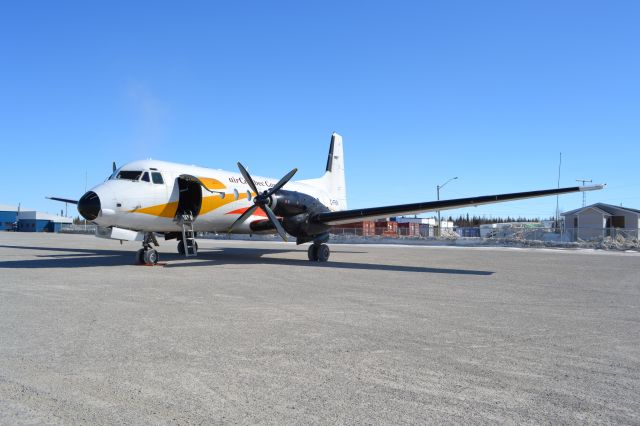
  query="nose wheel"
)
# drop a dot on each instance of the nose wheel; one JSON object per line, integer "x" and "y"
{"x": 147, "y": 255}
{"x": 319, "y": 252}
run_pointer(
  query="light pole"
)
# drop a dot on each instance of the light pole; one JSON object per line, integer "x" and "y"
{"x": 438, "y": 187}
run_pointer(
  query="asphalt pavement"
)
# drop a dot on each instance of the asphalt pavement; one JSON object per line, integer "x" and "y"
{"x": 252, "y": 332}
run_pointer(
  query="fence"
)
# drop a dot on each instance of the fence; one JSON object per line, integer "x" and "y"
{"x": 520, "y": 232}
{"x": 595, "y": 234}
{"x": 72, "y": 228}
{"x": 423, "y": 231}
{"x": 428, "y": 231}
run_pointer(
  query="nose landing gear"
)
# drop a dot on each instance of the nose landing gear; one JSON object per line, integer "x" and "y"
{"x": 147, "y": 255}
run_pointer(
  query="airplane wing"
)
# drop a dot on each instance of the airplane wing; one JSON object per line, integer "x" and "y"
{"x": 64, "y": 200}
{"x": 356, "y": 215}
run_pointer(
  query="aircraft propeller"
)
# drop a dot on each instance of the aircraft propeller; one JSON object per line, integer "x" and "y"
{"x": 263, "y": 200}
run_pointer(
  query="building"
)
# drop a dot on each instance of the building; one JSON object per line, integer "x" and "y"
{"x": 8, "y": 217}
{"x": 421, "y": 226}
{"x": 416, "y": 226}
{"x": 601, "y": 220}
{"x": 32, "y": 221}
{"x": 368, "y": 228}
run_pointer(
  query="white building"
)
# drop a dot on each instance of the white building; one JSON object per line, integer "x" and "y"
{"x": 33, "y": 221}
{"x": 601, "y": 220}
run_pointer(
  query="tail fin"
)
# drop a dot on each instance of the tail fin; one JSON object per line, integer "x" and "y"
{"x": 334, "y": 176}
{"x": 333, "y": 179}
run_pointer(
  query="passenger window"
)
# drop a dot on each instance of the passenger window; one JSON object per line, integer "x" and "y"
{"x": 157, "y": 177}
{"x": 145, "y": 177}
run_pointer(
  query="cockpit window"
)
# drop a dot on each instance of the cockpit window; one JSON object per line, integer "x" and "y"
{"x": 145, "y": 177}
{"x": 129, "y": 174}
{"x": 157, "y": 177}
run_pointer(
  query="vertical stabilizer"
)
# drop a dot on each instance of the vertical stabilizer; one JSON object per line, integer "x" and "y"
{"x": 333, "y": 178}
{"x": 333, "y": 181}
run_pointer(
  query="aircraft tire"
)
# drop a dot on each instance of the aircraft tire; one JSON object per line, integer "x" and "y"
{"x": 181, "y": 248}
{"x": 323, "y": 253}
{"x": 140, "y": 257}
{"x": 312, "y": 252}
{"x": 194, "y": 247}
{"x": 150, "y": 257}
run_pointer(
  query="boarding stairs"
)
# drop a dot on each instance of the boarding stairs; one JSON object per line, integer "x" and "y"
{"x": 188, "y": 234}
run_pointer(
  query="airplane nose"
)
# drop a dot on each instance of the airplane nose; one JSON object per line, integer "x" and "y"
{"x": 89, "y": 205}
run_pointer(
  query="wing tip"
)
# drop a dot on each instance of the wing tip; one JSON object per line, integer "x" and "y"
{"x": 596, "y": 187}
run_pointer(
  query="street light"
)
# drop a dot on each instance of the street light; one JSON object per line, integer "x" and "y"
{"x": 438, "y": 187}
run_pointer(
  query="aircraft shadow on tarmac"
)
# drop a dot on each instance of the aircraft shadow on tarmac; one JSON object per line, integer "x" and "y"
{"x": 83, "y": 258}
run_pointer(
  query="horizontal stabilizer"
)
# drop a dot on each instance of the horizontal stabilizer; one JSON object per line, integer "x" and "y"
{"x": 349, "y": 216}
{"x": 64, "y": 200}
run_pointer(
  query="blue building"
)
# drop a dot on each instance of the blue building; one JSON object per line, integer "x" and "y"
{"x": 32, "y": 221}
{"x": 8, "y": 217}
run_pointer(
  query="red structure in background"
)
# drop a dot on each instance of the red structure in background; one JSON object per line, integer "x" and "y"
{"x": 409, "y": 229}
{"x": 370, "y": 228}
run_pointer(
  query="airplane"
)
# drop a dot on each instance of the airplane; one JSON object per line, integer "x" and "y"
{"x": 146, "y": 198}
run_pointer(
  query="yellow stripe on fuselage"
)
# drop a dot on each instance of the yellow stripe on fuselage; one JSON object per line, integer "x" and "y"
{"x": 215, "y": 202}
{"x": 161, "y": 210}
{"x": 209, "y": 204}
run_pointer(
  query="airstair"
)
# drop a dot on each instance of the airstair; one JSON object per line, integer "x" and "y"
{"x": 188, "y": 234}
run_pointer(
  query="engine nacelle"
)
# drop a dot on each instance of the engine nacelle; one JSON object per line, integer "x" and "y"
{"x": 291, "y": 203}
{"x": 296, "y": 209}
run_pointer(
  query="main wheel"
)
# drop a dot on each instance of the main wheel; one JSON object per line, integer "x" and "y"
{"x": 151, "y": 257}
{"x": 181, "y": 247}
{"x": 312, "y": 252}
{"x": 140, "y": 257}
{"x": 323, "y": 253}
{"x": 193, "y": 247}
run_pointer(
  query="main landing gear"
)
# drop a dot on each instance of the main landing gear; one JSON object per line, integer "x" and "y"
{"x": 318, "y": 252}
{"x": 147, "y": 255}
{"x": 192, "y": 245}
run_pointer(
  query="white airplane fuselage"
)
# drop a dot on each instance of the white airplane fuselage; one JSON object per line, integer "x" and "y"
{"x": 144, "y": 205}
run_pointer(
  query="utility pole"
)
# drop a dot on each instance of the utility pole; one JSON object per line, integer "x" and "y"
{"x": 438, "y": 187}
{"x": 558, "y": 196}
{"x": 584, "y": 194}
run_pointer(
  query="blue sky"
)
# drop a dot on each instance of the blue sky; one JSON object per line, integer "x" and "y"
{"x": 487, "y": 91}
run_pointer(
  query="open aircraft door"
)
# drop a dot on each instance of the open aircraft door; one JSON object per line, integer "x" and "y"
{"x": 189, "y": 196}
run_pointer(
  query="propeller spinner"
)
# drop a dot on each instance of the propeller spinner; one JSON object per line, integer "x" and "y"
{"x": 263, "y": 200}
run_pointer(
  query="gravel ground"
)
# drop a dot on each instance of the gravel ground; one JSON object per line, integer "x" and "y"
{"x": 254, "y": 333}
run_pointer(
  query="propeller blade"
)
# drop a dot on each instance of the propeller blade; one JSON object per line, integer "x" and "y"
{"x": 275, "y": 222}
{"x": 113, "y": 166}
{"x": 247, "y": 177}
{"x": 243, "y": 217}
{"x": 282, "y": 182}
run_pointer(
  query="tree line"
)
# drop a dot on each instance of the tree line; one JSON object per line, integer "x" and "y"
{"x": 466, "y": 220}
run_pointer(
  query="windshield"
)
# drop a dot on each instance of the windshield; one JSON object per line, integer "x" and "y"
{"x": 129, "y": 174}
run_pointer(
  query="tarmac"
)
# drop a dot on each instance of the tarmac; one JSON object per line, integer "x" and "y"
{"x": 252, "y": 332}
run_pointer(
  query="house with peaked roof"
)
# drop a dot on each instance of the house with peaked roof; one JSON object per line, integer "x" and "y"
{"x": 601, "y": 220}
